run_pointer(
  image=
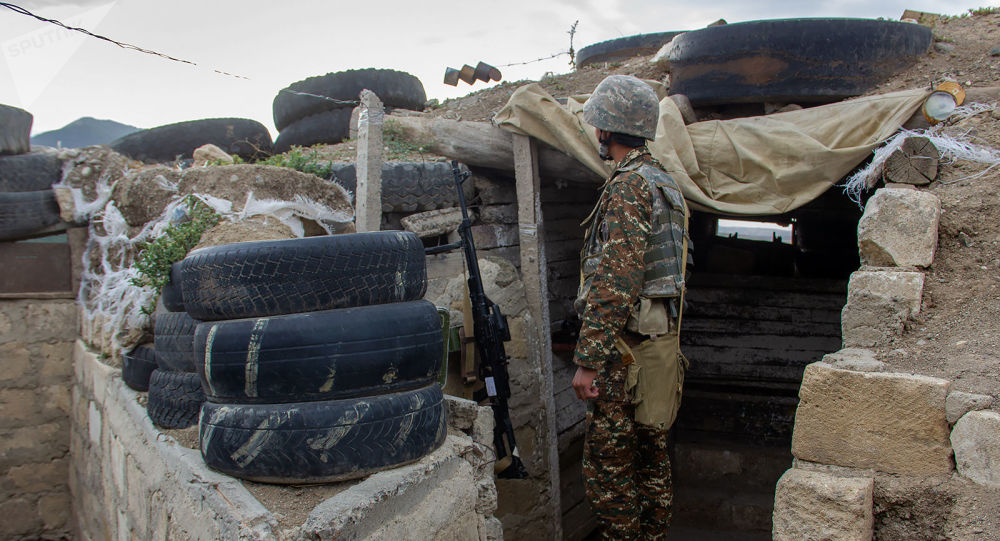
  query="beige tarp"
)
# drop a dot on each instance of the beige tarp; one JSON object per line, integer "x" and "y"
{"x": 748, "y": 166}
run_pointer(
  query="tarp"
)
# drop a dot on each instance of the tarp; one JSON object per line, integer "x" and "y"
{"x": 755, "y": 166}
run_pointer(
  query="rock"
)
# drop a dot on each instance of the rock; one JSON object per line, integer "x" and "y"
{"x": 662, "y": 57}
{"x": 963, "y": 238}
{"x": 433, "y": 222}
{"x": 899, "y": 228}
{"x": 686, "y": 109}
{"x": 889, "y": 422}
{"x": 210, "y": 153}
{"x": 256, "y": 228}
{"x": 879, "y": 303}
{"x": 860, "y": 360}
{"x": 959, "y": 403}
{"x": 995, "y": 51}
{"x": 461, "y": 412}
{"x": 813, "y": 506}
{"x": 976, "y": 439}
{"x": 944, "y": 48}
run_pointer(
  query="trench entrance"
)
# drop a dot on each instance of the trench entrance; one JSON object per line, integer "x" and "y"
{"x": 764, "y": 300}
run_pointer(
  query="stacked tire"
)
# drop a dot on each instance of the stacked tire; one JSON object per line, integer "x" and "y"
{"x": 241, "y": 137}
{"x": 317, "y": 359}
{"x": 318, "y": 109}
{"x": 27, "y": 203}
{"x": 175, "y": 393}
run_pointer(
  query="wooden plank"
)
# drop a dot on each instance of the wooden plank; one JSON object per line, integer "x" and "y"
{"x": 737, "y": 327}
{"x": 720, "y": 354}
{"x": 31, "y": 268}
{"x": 764, "y": 341}
{"x": 368, "y": 195}
{"x": 776, "y": 283}
{"x": 565, "y": 229}
{"x": 765, "y": 313}
{"x": 531, "y": 229}
{"x": 777, "y": 299}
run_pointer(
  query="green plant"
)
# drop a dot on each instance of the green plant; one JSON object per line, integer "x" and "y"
{"x": 397, "y": 146}
{"x": 156, "y": 256}
{"x": 311, "y": 162}
{"x": 984, "y": 11}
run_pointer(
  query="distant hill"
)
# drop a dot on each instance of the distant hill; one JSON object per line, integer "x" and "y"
{"x": 83, "y": 132}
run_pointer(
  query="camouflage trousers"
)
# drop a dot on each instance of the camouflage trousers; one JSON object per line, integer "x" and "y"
{"x": 626, "y": 471}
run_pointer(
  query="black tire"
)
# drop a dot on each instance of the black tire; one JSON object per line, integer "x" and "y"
{"x": 15, "y": 130}
{"x": 29, "y": 172}
{"x": 394, "y": 89}
{"x": 173, "y": 334}
{"x": 172, "y": 294}
{"x": 615, "y": 50}
{"x": 138, "y": 366}
{"x": 791, "y": 60}
{"x": 329, "y": 127}
{"x": 243, "y": 137}
{"x": 326, "y": 355}
{"x": 407, "y": 186}
{"x": 174, "y": 399}
{"x": 270, "y": 278}
{"x": 322, "y": 441}
{"x": 23, "y": 213}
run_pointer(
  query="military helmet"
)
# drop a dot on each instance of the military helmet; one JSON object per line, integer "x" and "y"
{"x": 623, "y": 104}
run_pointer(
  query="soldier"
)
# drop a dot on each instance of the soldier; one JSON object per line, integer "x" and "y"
{"x": 630, "y": 369}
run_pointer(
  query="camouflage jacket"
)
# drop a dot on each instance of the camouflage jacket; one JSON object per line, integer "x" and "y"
{"x": 622, "y": 218}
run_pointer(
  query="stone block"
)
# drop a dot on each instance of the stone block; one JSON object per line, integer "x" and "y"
{"x": 899, "y": 228}
{"x": 15, "y": 366}
{"x": 461, "y": 412}
{"x": 488, "y": 236}
{"x": 976, "y": 439}
{"x": 56, "y": 361}
{"x": 888, "y": 422}
{"x": 20, "y": 519}
{"x": 879, "y": 303}
{"x": 51, "y": 320}
{"x": 433, "y": 222}
{"x": 494, "y": 192}
{"x": 33, "y": 443}
{"x": 959, "y": 403}
{"x": 813, "y": 506}
{"x": 861, "y": 360}
{"x": 55, "y": 511}
{"x": 40, "y": 477}
{"x": 498, "y": 214}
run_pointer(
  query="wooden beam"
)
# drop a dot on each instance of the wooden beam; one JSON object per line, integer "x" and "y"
{"x": 368, "y": 189}
{"x": 533, "y": 273}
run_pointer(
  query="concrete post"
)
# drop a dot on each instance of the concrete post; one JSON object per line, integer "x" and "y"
{"x": 368, "y": 191}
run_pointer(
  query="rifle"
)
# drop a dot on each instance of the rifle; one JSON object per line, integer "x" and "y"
{"x": 491, "y": 331}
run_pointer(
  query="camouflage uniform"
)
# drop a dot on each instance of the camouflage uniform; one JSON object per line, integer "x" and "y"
{"x": 625, "y": 464}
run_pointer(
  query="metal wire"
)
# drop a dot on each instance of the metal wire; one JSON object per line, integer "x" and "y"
{"x": 22, "y": 11}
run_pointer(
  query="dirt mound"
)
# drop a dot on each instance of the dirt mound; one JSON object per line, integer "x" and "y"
{"x": 143, "y": 196}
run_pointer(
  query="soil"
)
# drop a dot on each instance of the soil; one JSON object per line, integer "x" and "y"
{"x": 291, "y": 504}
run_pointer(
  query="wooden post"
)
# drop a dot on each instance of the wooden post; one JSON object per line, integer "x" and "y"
{"x": 534, "y": 271}
{"x": 368, "y": 166}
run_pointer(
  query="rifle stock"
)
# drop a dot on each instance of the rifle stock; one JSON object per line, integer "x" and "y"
{"x": 491, "y": 331}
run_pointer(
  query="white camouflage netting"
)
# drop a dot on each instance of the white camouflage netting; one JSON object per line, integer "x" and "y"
{"x": 951, "y": 147}
{"x": 113, "y": 318}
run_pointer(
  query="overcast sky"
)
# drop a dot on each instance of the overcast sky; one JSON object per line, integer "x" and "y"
{"x": 60, "y": 76}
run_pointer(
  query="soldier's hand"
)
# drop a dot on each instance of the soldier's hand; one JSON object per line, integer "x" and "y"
{"x": 583, "y": 383}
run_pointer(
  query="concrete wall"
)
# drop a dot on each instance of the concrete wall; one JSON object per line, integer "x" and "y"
{"x": 129, "y": 481}
{"x": 36, "y": 338}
